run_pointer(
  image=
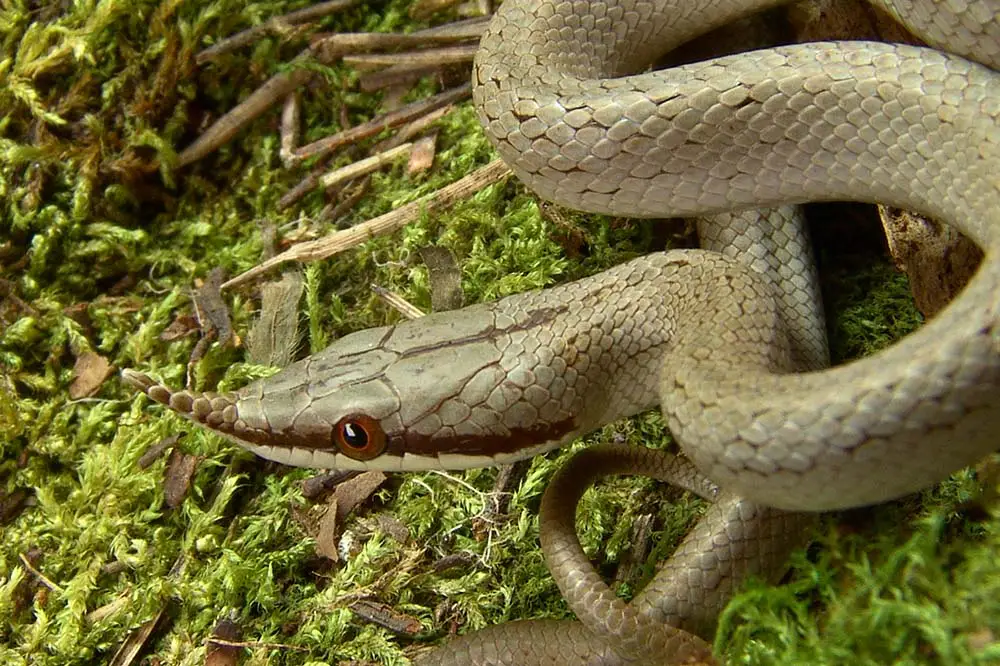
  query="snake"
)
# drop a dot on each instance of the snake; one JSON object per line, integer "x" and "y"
{"x": 700, "y": 334}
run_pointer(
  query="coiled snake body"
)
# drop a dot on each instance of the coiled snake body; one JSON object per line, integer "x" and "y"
{"x": 699, "y": 334}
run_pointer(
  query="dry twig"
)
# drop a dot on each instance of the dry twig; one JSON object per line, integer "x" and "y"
{"x": 342, "y": 240}
{"x": 275, "y": 24}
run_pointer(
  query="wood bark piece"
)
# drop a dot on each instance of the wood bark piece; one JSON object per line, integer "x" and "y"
{"x": 445, "y": 278}
{"x": 937, "y": 258}
{"x": 422, "y": 154}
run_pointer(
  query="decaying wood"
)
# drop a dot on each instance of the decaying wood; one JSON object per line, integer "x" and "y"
{"x": 938, "y": 259}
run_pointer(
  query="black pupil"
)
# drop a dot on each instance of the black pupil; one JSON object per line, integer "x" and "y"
{"x": 355, "y": 436}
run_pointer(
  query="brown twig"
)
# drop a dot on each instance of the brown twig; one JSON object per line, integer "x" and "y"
{"x": 226, "y": 127}
{"x": 383, "y": 122}
{"x": 447, "y": 55}
{"x": 255, "y": 644}
{"x": 250, "y": 35}
{"x": 411, "y": 129}
{"x": 398, "y": 303}
{"x": 397, "y": 75}
{"x": 363, "y": 167}
{"x": 38, "y": 574}
{"x": 405, "y": 133}
{"x": 333, "y": 212}
{"x": 325, "y": 49}
{"x": 342, "y": 240}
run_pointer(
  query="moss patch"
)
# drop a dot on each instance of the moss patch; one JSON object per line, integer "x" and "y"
{"x": 100, "y": 245}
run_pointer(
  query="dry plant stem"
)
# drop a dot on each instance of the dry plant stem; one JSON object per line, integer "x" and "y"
{"x": 250, "y": 35}
{"x": 394, "y": 76}
{"x": 325, "y": 50}
{"x": 302, "y": 188}
{"x": 291, "y": 114}
{"x": 342, "y": 43}
{"x": 255, "y": 644}
{"x": 26, "y": 563}
{"x": 226, "y": 127}
{"x": 448, "y": 55}
{"x": 362, "y": 167}
{"x": 398, "y": 303}
{"x": 342, "y": 240}
{"x": 333, "y": 212}
{"x": 411, "y": 129}
{"x": 424, "y": 8}
{"x": 383, "y": 122}
{"x": 404, "y": 134}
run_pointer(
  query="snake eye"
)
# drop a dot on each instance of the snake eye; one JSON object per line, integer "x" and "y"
{"x": 359, "y": 436}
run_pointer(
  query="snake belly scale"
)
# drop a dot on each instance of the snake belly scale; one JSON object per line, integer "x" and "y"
{"x": 696, "y": 333}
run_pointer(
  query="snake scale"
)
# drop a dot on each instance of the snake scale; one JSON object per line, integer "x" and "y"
{"x": 700, "y": 334}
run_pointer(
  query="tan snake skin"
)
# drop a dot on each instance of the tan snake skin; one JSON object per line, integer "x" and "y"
{"x": 696, "y": 333}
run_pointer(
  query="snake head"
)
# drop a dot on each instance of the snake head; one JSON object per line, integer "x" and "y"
{"x": 437, "y": 392}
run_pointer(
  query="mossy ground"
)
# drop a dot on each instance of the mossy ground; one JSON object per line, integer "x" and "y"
{"x": 100, "y": 245}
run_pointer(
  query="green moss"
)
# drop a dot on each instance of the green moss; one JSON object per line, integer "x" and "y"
{"x": 101, "y": 243}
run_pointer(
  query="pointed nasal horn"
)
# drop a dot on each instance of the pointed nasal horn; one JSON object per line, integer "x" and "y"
{"x": 211, "y": 409}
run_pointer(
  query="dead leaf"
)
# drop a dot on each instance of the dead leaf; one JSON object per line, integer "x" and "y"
{"x": 224, "y": 655}
{"x": 177, "y": 477}
{"x": 445, "y": 278}
{"x": 353, "y": 492}
{"x": 181, "y": 326}
{"x": 326, "y": 536}
{"x": 89, "y": 373}
{"x": 422, "y": 154}
{"x": 274, "y": 337}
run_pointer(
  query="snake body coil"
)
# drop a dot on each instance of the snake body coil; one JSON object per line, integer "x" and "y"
{"x": 699, "y": 334}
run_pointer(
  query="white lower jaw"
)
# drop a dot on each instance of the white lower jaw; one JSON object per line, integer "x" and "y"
{"x": 409, "y": 462}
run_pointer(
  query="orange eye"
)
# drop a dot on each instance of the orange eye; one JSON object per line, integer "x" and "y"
{"x": 359, "y": 436}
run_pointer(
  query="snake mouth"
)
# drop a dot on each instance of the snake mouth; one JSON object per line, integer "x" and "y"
{"x": 297, "y": 456}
